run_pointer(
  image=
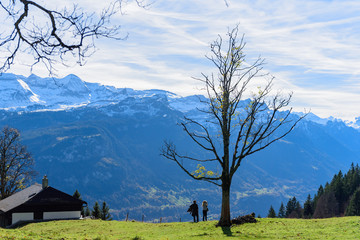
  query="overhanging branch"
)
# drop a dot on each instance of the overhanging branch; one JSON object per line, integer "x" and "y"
{"x": 51, "y": 36}
{"x": 169, "y": 151}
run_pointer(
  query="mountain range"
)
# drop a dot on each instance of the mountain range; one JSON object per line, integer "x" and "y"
{"x": 105, "y": 142}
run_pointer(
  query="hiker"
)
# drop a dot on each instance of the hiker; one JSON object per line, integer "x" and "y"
{"x": 194, "y": 211}
{"x": 205, "y": 210}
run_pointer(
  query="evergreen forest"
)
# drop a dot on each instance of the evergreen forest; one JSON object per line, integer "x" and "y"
{"x": 340, "y": 197}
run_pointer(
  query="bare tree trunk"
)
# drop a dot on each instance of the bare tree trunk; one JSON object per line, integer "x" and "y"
{"x": 225, "y": 206}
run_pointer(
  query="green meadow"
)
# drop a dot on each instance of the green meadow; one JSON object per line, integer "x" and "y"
{"x": 266, "y": 228}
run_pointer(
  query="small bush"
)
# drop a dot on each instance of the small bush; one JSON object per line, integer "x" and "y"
{"x": 137, "y": 238}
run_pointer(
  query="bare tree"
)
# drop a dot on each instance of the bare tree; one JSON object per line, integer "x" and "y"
{"x": 51, "y": 36}
{"x": 15, "y": 163}
{"x": 243, "y": 127}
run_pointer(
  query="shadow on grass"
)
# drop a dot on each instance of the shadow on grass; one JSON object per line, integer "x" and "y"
{"x": 227, "y": 231}
{"x": 21, "y": 224}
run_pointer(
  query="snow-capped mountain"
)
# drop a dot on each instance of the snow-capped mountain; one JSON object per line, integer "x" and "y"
{"x": 33, "y": 93}
{"x": 106, "y": 140}
{"x": 19, "y": 93}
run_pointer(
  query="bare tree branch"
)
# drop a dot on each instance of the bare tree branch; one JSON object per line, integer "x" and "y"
{"x": 52, "y": 36}
{"x": 246, "y": 126}
{"x": 15, "y": 163}
{"x": 169, "y": 151}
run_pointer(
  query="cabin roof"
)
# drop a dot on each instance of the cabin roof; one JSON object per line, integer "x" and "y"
{"x": 20, "y": 197}
{"x": 35, "y": 195}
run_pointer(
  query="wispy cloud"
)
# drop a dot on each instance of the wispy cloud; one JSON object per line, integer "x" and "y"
{"x": 312, "y": 47}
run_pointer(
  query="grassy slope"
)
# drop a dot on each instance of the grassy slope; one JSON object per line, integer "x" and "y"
{"x": 333, "y": 228}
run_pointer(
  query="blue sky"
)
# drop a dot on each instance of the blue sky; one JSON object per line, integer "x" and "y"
{"x": 311, "y": 47}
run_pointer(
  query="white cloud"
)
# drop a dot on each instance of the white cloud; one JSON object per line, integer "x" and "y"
{"x": 311, "y": 47}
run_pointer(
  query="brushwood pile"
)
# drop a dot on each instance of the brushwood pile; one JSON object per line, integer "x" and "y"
{"x": 250, "y": 218}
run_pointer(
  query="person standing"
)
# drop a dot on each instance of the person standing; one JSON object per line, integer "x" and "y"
{"x": 205, "y": 210}
{"x": 194, "y": 211}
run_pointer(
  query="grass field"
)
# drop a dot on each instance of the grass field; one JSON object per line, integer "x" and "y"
{"x": 333, "y": 228}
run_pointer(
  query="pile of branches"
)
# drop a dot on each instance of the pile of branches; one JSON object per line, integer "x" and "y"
{"x": 250, "y": 218}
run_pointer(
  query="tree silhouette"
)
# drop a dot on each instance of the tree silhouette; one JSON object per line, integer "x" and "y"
{"x": 242, "y": 127}
{"x": 50, "y": 35}
{"x": 96, "y": 212}
{"x": 16, "y": 163}
{"x": 293, "y": 208}
{"x": 308, "y": 207}
{"x": 105, "y": 215}
{"x": 271, "y": 213}
{"x": 281, "y": 213}
{"x": 327, "y": 206}
{"x": 78, "y": 196}
{"x": 353, "y": 208}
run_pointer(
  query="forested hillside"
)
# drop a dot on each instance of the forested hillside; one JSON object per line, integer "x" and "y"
{"x": 339, "y": 197}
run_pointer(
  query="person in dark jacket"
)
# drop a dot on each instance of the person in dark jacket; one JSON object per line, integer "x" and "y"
{"x": 194, "y": 211}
